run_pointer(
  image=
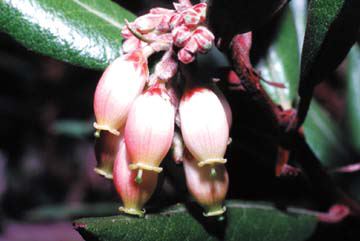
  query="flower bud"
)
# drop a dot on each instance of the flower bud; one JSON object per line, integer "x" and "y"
{"x": 200, "y": 8}
{"x": 185, "y": 56}
{"x": 133, "y": 194}
{"x": 204, "y": 39}
{"x": 106, "y": 149}
{"x": 148, "y": 22}
{"x": 191, "y": 18}
{"x": 204, "y": 125}
{"x": 181, "y": 35}
{"x": 149, "y": 129}
{"x": 120, "y": 84}
{"x": 209, "y": 191}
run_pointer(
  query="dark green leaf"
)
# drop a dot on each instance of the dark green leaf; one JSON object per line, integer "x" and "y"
{"x": 282, "y": 62}
{"x": 81, "y": 32}
{"x": 353, "y": 96}
{"x": 331, "y": 30}
{"x": 230, "y": 17}
{"x": 66, "y": 212}
{"x": 244, "y": 221}
{"x": 324, "y": 137}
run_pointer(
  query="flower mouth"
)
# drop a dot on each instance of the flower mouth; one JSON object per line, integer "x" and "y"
{"x": 133, "y": 211}
{"x": 106, "y": 128}
{"x": 143, "y": 166}
{"x": 104, "y": 172}
{"x": 212, "y": 161}
{"x": 215, "y": 211}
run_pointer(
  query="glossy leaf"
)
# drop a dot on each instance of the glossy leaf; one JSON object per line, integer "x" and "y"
{"x": 324, "y": 137}
{"x": 298, "y": 8}
{"x": 281, "y": 63}
{"x": 353, "y": 96}
{"x": 332, "y": 27}
{"x": 230, "y": 17}
{"x": 81, "y": 32}
{"x": 244, "y": 221}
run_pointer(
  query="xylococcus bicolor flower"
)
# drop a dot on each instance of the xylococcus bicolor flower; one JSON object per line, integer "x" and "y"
{"x": 133, "y": 195}
{"x": 209, "y": 191}
{"x": 106, "y": 149}
{"x": 149, "y": 129}
{"x": 204, "y": 125}
{"x": 118, "y": 87}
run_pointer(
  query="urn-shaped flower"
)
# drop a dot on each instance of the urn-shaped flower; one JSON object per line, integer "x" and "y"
{"x": 106, "y": 149}
{"x": 133, "y": 194}
{"x": 149, "y": 129}
{"x": 121, "y": 83}
{"x": 209, "y": 191}
{"x": 204, "y": 125}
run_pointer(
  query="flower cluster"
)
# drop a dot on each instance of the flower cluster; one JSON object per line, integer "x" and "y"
{"x": 182, "y": 27}
{"x": 136, "y": 112}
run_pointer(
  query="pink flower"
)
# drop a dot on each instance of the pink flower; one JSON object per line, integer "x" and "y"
{"x": 148, "y": 22}
{"x": 224, "y": 103}
{"x": 149, "y": 129}
{"x": 185, "y": 56}
{"x": 204, "y": 125}
{"x": 209, "y": 191}
{"x": 204, "y": 39}
{"x": 120, "y": 84}
{"x": 133, "y": 194}
{"x": 106, "y": 149}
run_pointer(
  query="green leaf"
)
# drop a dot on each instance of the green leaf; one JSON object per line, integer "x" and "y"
{"x": 353, "y": 96}
{"x": 81, "y": 32}
{"x": 66, "y": 212}
{"x": 332, "y": 27}
{"x": 244, "y": 221}
{"x": 298, "y": 8}
{"x": 281, "y": 63}
{"x": 73, "y": 128}
{"x": 324, "y": 137}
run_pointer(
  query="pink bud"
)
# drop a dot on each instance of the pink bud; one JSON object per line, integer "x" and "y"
{"x": 185, "y": 56}
{"x": 191, "y": 46}
{"x": 176, "y": 20}
{"x": 179, "y": 7}
{"x": 204, "y": 39}
{"x": 133, "y": 194}
{"x": 181, "y": 35}
{"x": 208, "y": 190}
{"x": 164, "y": 11}
{"x": 149, "y": 129}
{"x": 120, "y": 84}
{"x": 106, "y": 149}
{"x": 191, "y": 18}
{"x": 131, "y": 44}
{"x": 204, "y": 125}
{"x": 148, "y": 22}
{"x": 125, "y": 32}
{"x": 200, "y": 9}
